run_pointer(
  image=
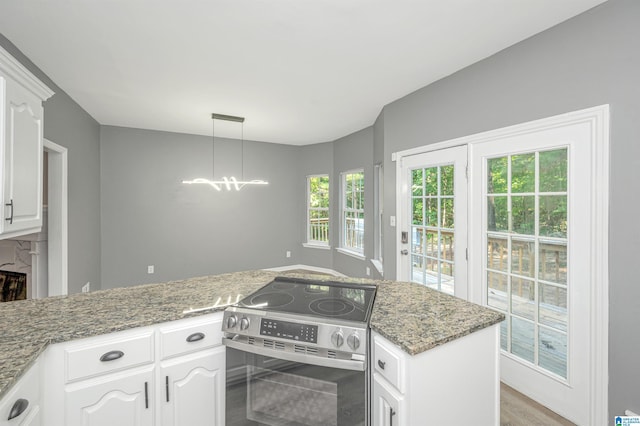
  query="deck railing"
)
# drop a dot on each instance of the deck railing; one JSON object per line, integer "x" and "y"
{"x": 319, "y": 230}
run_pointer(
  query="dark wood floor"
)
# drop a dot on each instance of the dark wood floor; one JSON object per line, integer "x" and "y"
{"x": 518, "y": 410}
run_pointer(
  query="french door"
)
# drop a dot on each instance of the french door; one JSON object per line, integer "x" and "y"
{"x": 537, "y": 218}
{"x": 434, "y": 223}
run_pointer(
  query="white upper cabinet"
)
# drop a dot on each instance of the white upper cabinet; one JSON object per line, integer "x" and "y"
{"x": 21, "y": 150}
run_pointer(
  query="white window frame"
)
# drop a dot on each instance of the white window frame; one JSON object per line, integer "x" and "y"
{"x": 311, "y": 243}
{"x": 343, "y": 248}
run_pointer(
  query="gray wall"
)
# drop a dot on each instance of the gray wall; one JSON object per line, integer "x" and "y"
{"x": 66, "y": 124}
{"x": 315, "y": 160}
{"x": 151, "y": 218}
{"x": 590, "y": 60}
{"x": 354, "y": 151}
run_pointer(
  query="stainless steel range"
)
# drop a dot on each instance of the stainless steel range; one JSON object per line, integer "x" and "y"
{"x": 297, "y": 354}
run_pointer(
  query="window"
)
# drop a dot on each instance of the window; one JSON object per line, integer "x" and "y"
{"x": 352, "y": 238}
{"x": 318, "y": 210}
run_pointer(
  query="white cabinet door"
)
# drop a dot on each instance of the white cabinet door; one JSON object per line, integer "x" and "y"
{"x": 23, "y": 401}
{"x": 388, "y": 404}
{"x": 193, "y": 389}
{"x": 21, "y": 161}
{"x": 119, "y": 399}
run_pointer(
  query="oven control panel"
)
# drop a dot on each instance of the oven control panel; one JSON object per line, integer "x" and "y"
{"x": 289, "y": 330}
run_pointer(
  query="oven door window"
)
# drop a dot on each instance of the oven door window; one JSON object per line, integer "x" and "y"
{"x": 268, "y": 391}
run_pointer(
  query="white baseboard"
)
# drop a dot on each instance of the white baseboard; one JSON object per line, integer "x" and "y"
{"x": 308, "y": 268}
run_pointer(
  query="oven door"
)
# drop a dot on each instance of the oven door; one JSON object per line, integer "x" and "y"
{"x": 262, "y": 390}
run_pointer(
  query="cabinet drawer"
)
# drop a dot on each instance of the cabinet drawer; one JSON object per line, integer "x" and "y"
{"x": 27, "y": 391}
{"x": 101, "y": 355}
{"x": 388, "y": 362}
{"x": 190, "y": 335}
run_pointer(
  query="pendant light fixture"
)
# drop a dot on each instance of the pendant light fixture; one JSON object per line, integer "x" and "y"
{"x": 227, "y": 183}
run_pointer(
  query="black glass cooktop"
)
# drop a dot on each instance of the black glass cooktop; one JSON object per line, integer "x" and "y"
{"x": 327, "y": 299}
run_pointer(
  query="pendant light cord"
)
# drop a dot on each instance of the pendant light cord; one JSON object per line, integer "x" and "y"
{"x": 213, "y": 148}
{"x": 242, "y": 153}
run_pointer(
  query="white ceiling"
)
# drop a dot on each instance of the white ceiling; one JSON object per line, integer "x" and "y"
{"x": 300, "y": 71}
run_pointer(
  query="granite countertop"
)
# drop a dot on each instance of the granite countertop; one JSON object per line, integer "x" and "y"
{"x": 412, "y": 316}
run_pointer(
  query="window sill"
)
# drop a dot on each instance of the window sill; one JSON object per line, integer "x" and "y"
{"x": 317, "y": 246}
{"x": 351, "y": 253}
{"x": 378, "y": 265}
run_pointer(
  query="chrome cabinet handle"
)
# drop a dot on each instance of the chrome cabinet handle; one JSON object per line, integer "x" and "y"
{"x": 18, "y": 408}
{"x": 146, "y": 395}
{"x": 111, "y": 356}
{"x": 391, "y": 414}
{"x": 10, "y": 218}
{"x": 195, "y": 337}
{"x": 381, "y": 364}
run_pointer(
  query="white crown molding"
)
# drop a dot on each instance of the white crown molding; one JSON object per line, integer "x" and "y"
{"x": 14, "y": 70}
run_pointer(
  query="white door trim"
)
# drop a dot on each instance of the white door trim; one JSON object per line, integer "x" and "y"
{"x": 599, "y": 342}
{"x": 57, "y": 226}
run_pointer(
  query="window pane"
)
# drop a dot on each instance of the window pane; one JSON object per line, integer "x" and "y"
{"x": 446, "y": 213}
{"x": 318, "y": 208}
{"x": 497, "y": 255}
{"x": 432, "y": 243}
{"x": 497, "y": 214}
{"x": 523, "y": 214}
{"x": 523, "y": 173}
{"x": 431, "y": 181}
{"x": 418, "y": 212}
{"x": 447, "y": 247}
{"x": 497, "y": 179}
{"x": 522, "y": 338}
{"x": 552, "y": 353}
{"x": 523, "y": 258}
{"x": 431, "y": 273}
{"x": 553, "y": 262}
{"x": 416, "y": 182}
{"x": 497, "y": 290}
{"x": 553, "y": 170}
{"x": 446, "y": 180}
{"x": 553, "y": 306}
{"x": 523, "y": 297}
{"x": 503, "y": 335}
{"x": 553, "y": 216}
{"x": 431, "y": 210}
{"x": 417, "y": 269}
{"x": 417, "y": 240}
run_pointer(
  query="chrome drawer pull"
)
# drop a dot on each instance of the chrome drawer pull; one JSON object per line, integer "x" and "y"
{"x": 18, "y": 408}
{"x": 111, "y": 356}
{"x": 195, "y": 337}
{"x": 381, "y": 364}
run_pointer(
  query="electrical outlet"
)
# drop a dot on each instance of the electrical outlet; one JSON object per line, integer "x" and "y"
{"x": 288, "y": 253}
{"x": 392, "y": 221}
{"x": 86, "y": 287}
{"x": 150, "y": 269}
{"x": 368, "y": 270}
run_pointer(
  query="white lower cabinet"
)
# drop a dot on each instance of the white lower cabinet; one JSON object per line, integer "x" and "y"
{"x": 388, "y": 404}
{"x": 455, "y": 383}
{"x": 169, "y": 374}
{"x": 119, "y": 399}
{"x": 193, "y": 389}
{"x": 22, "y": 405}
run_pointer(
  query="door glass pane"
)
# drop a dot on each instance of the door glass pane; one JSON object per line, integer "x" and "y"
{"x": 553, "y": 216}
{"x": 553, "y": 351}
{"x": 527, "y": 248}
{"x": 498, "y": 288}
{"x": 497, "y": 255}
{"x": 523, "y": 258}
{"x": 523, "y": 338}
{"x": 433, "y": 209}
{"x": 497, "y": 214}
{"x": 523, "y": 169}
{"x": 553, "y": 262}
{"x": 523, "y": 298}
{"x": 553, "y": 170}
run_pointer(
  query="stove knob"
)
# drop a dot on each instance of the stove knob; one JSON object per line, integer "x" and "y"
{"x": 337, "y": 338}
{"x": 244, "y": 323}
{"x": 353, "y": 341}
{"x": 232, "y": 321}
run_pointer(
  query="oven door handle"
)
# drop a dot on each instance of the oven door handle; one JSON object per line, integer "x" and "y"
{"x": 345, "y": 364}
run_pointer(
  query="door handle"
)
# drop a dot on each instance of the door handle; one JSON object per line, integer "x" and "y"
{"x": 404, "y": 252}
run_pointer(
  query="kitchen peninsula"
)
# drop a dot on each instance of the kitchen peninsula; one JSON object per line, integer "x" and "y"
{"x": 410, "y": 323}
